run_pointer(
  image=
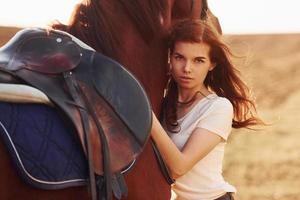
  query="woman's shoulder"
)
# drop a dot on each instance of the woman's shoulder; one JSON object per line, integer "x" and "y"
{"x": 221, "y": 103}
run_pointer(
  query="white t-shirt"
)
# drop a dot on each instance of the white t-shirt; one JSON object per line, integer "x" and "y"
{"x": 204, "y": 181}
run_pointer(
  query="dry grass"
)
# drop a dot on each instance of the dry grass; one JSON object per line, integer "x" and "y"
{"x": 6, "y": 33}
{"x": 263, "y": 165}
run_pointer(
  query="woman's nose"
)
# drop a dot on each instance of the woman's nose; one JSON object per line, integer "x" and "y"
{"x": 187, "y": 67}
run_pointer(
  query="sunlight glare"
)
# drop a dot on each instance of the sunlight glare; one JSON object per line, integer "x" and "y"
{"x": 35, "y": 12}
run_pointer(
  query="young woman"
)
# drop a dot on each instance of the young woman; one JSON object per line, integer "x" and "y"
{"x": 205, "y": 99}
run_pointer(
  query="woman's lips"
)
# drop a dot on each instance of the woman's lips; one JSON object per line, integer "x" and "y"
{"x": 185, "y": 79}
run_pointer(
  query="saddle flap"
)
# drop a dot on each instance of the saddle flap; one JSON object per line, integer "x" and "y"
{"x": 125, "y": 94}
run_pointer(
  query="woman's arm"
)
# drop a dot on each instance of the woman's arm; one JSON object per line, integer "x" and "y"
{"x": 200, "y": 143}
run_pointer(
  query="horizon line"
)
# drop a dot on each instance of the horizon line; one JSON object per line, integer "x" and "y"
{"x": 224, "y": 33}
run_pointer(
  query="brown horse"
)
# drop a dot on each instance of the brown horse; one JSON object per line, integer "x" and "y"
{"x": 133, "y": 33}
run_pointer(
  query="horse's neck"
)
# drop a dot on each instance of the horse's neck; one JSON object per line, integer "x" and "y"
{"x": 147, "y": 60}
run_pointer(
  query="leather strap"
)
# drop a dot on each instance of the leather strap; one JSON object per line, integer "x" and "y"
{"x": 162, "y": 164}
{"x": 160, "y": 160}
{"x": 104, "y": 148}
{"x": 119, "y": 186}
{"x": 73, "y": 87}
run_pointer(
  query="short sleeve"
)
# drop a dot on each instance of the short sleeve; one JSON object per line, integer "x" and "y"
{"x": 218, "y": 118}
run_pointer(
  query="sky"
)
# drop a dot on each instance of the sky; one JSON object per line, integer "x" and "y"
{"x": 235, "y": 16}
{"x": 257, "y": 16}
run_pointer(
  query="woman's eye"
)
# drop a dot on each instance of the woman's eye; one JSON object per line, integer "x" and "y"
{"x": 198, "y": 60}
{"x": 178, "y": 57}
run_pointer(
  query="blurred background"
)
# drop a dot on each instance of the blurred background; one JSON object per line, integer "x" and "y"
{"x": 265, "y": 164}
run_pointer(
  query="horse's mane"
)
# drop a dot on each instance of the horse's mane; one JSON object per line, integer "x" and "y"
{"x": 89, "y": 21}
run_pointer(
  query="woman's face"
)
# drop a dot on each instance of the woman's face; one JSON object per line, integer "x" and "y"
{"x": 190, "y": 63}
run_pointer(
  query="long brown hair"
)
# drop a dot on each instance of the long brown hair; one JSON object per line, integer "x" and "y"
{"x": 224, "y": 79}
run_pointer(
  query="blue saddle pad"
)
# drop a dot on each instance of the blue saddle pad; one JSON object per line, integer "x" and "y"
{"x": 44, "y": 148}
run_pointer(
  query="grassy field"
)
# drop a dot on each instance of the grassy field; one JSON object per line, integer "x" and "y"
{"x": 263, "y": 165}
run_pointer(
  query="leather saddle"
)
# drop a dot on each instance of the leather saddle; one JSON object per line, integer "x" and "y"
{"x": 106, "y": 104}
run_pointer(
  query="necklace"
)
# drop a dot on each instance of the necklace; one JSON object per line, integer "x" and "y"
{"x": 183, "y": 103}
